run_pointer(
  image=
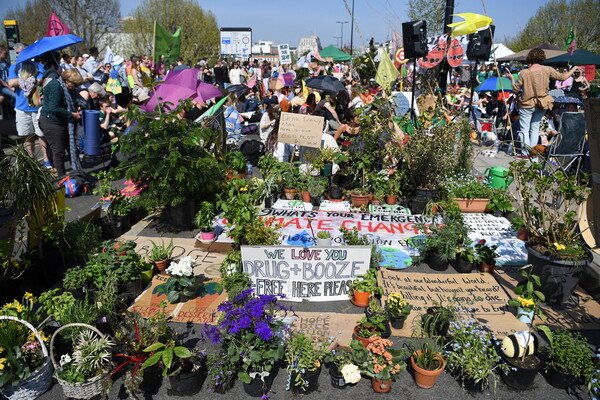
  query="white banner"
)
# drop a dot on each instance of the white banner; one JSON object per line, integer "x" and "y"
{"x": 300, "y": 273}
{"x": 284, "y": 54}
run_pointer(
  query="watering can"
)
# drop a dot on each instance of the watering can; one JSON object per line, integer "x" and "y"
{"x": 497, "y": 177}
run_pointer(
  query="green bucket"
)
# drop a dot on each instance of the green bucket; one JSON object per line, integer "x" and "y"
{"x": 498, "y": 177}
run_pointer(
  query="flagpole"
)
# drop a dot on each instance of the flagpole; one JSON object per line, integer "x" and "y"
{"x": 401, "y": 76}
{"x": 154, "y": 45}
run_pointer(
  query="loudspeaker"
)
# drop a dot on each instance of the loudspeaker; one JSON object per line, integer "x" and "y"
{"x": 414, "y": 34}
{"x": 480, "y": 44}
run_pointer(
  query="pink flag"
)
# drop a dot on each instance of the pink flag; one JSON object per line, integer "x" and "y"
{"x": 56, "y": 27}
{"x": 252, "y": 82}
{"x": 573, "y": 42}
{"x": 317, "y": 55}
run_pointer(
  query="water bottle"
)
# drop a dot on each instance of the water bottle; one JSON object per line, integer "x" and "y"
{"x": 250, "y": 169}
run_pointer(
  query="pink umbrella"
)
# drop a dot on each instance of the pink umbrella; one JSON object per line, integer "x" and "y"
{"x": 181, "y": 85}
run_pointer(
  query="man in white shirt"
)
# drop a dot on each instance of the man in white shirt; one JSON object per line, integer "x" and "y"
{"x": 93, "y": 65}
{"x": 87, "y": 77}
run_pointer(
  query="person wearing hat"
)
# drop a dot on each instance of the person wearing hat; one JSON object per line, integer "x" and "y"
{"x": 120, "y": 72}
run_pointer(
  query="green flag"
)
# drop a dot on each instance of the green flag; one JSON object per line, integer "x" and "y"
{"x": 166, "y": 44}
{"x": 571, "y": 41}
{"x": 386, "y": 72}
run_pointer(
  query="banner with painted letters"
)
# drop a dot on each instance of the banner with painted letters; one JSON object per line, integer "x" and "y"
{"x": 300, "y": 273}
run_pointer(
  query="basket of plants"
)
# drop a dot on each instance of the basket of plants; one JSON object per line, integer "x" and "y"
{"x": 34, "y": 356}
{"x": 84, "y": 373}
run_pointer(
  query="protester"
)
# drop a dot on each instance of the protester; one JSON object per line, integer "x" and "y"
{"x": 7, "y": 91}
{"x": 534, "y": 81}
{"x": 580, "y": 84}
{"x": 88, "y": 78}
{"x": 93, "y": 65}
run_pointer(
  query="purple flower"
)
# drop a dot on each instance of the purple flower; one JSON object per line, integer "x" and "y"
{"x": 263, "y": 330}
{"x": 244, "y": 322}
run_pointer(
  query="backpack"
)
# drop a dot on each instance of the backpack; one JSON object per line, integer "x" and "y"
{"x": 252, "y": 148}
{"x": 75, "y": 184}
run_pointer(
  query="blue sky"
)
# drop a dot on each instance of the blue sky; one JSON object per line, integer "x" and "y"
{"x": 288, "y": 21}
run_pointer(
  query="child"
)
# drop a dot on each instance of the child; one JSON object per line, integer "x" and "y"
{"x": 109, "y": 126}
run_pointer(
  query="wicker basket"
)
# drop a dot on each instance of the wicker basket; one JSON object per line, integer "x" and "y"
{"x": 84, "y": 390}
{"x": 40, "y": 380}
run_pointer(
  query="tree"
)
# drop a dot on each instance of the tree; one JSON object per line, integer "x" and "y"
{"x": 199, "y": 31}
{"x": 431, "y": 11}
{"x": 552, "y": 23}
{"x": 88, "y": 19}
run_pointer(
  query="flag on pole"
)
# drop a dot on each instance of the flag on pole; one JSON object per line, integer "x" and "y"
{"x": 318, "y": 56}
{"x": 166, "y": 44}
{"x": 56, "y": 27}
{"x": 109, "y": 56}
{"x": 397, "y": 41}
{"x": 571, "y": 41}
{"x": 386, "y": 72}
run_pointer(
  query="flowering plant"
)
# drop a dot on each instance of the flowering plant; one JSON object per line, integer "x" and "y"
{"x": 304, "y": 354}
{"x": 397, "y": 306}
{"x": 341, "y": 358}
{"x": 461, "y": 186}
{"x": 378, "y": 360}
{"x": 528, "y": 297}
{"x": 91, "y": 356}
{"x": 181, "y": 280}
{"x": 547, "y": 202}
{"x": 250, "y": 333}
{"x": 486, "y": 254}
{"x": 221, "y": 372}
{"x": 472, "y": 354}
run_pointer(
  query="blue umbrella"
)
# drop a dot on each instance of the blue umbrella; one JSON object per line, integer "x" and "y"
{"x": 47, "y": 44}
{"x": 495, "y": 85}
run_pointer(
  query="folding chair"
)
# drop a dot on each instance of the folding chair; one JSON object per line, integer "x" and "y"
{"x": 568, "y": 148}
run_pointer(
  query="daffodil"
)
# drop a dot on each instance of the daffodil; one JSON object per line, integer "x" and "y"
{"x": 559, "y": 246}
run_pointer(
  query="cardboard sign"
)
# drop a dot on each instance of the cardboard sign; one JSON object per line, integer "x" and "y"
{"x": 298, "y": 273}
{"x": 300, "y": 129}
{"x": 335, "y": 326}
{"x": 585, "y": 316}
{"x": 480, "y": 292}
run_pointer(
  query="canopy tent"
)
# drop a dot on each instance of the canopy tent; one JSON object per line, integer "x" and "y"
{"x": 549, "y": 49}
{"x": 579, "y": 57}
{"x": 500, "y": 50}
{"x": 334, "y": 53}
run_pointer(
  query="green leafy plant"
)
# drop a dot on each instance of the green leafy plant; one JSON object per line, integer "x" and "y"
{"x": 80, "y": 238}
{"x": 426, "y": 355}
{"x": 436, "y": 321}
{"x": 547, "y": 202}
{"x": 323, "y": 234}
{"x": 500, "y": 200}
{"x": 371, "y": 325}
{"x": 486, "y": 254}
{"x": 56, "y": 304}
{"x": 160, "y": 252}
{"x": 236, "y": 161}
{"x": 233, "y": 279}
{"x": 261, "y": 234}
{"x": 466, "y": 187}
{"x": 367, "y": 282}
{"x": 444, "y": 239}
{"x": 304, "y": 354}
{"x": 528, "y": 298}
{"x": 168, "y": 354}
{"x": 91, "y": 356}
{"x": 237, "y": 203}
{"x": 204, "y": 218}
{"x": 569, "y": 353}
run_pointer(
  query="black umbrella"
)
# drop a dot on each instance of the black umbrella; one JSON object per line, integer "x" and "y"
{"x": 325, "y": 82}
{"x": 237, "y": 89}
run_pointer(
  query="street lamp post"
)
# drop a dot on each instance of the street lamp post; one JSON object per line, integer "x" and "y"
{"x": 342, "y": 36}
{"x": 336, "y": 39}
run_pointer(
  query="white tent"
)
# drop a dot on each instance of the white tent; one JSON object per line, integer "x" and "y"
{"x": 499, "y": 50}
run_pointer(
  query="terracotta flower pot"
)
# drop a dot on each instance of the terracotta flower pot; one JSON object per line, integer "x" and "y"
{"x": 360, "y": 199}
{"x": 522, "y": 234}
{"x": 486, "y": 268}
{"x": 381, "y": 386}
{"x": 363, "y": 341}
{"x": 360, "y": 299}
{"x": 290, "y": 194}
{"x": 425, "y": 378}
{"x": 160, "y": 266}
{"x": 305, "y": 196}
{"x": 391, "y": 200}
{"x": 472, "y": 205}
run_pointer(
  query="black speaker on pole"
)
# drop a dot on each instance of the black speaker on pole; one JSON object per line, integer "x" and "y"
{"x": 480, "y": 44}
{"x": 414, "y": 34}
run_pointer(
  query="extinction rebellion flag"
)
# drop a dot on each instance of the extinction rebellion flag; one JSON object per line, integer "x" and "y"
{"x": 166, "y": 44}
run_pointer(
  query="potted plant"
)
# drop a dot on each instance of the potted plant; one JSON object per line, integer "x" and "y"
{"x": 304, "y": 357}
{"x": 379, "y": 361}
{"x": 373, "y": 310}
{"x": 250, "y": 335}
{"x": 84, "y": 372}
{"x": 500, "y": 202}
{"x": 222, "y": 372}
{"x": 302, "y": 187}
{"x": 436, "y": 320}
{"x": 370, "y": 326}
{"x": 204, "y": 221}
{"x": 440, "y": 246}
{"x": 233, "y": 279}
{"x": 174, "y": 161}
{"x": 465, "y": 257}
{"x": 342, "y": 370}
{"x": 79, "y": 239}
{"x": 471, "y": 193}
{"x": 394, "y": 184}
{"x": 323, "y": 238}
{"x": 528, "y": 298}
{"x": 316, "y": 187}
{"x": 237, "y": 203}
{"x": 261, "y": 234}
{"x": 569, "y": 357}
{"x": 518, "y": 225}
{"x": 427, "y": 363}
{"x": 160, "y": 255}
{"x": 110, "y": 224}
{"x": 471, "y": 355}
{"x": 398, "y": 309}
{"x": 364, "y": 287}
{"x": 486, "y": 256}
{"x": 181, "y": 285}
{"x": 379, "y": 185}
{"x": 237, "y": 165}
{"x": 183, "y": 367}
{"x": 291, "y": 176}
{"x": 547, "y": 202}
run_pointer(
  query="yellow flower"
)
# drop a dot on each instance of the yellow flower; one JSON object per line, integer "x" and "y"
{"x": 19, "y": 308}
{"x": 28, "y": 295}
{"x": 1, "y": 349}
{"x": 526, "y": 303}
{"x": 559, "y": 246}
{"x": 244, "y": 189}
{"x": 2, "y": 361}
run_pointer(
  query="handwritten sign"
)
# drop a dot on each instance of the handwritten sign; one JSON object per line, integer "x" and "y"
{"x": 284, "y": 54}
{"x": 388, "y": 209}
{"x": 298, "y": 273}
{"x": 479, "y": 292}
{"x": 300, "y": 129}
{"x": 326, "y": 325}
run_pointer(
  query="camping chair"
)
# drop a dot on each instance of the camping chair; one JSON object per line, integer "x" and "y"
{"x": 486, "y": 127}
{"x": 568, "y": 147}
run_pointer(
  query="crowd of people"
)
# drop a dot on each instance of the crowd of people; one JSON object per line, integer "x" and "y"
{"x": 258, "y": 92}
